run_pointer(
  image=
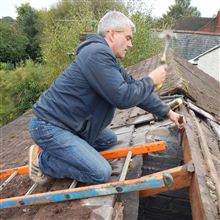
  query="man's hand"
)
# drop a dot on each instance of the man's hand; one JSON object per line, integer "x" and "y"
{"x": 175, "y": 118}
{"x": 159, "y": 74}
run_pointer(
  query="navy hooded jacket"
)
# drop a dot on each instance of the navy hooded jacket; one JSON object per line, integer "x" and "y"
{"x": 84, "y": 97}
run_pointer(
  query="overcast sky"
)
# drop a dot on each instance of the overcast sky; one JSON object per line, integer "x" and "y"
{"x": 208, "y": 8}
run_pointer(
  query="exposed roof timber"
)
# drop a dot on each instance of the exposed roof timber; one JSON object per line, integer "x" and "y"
{"x": 208, "y": 158}
{"x": 215, "y": 127}
{"x": 201, "y": 111}
{"x": 202, "y": 203}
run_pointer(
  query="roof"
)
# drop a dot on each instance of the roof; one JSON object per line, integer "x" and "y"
{"x": 191, "y": 23}
{"x": 191, "y": 44}
{"x": 184, "y": 78}
{"x": 210, "y": 25}
{"x": 195, "y": 59}
{"x": 135, "y": 126}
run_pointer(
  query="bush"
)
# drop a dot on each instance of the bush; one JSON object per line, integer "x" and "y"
{"x": 6, "y": 66}
{"x": 20, "y": 89}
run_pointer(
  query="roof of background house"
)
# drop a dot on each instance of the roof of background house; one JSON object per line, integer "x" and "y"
{"x": 199, "y": 24}
{"x": 195, "y": 59}
{"x": 191, "y": 23}
{"x": 199, "y": 89}
{"x": 190, "y": 44}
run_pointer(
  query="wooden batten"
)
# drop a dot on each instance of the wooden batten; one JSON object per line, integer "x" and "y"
{"x": 181, "y": 179}
{"x": 203, "y": 207}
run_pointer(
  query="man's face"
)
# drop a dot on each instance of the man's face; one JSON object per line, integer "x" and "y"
{"x": 121, "y": 41}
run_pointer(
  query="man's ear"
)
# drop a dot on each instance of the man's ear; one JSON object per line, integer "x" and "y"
{"x": 110, "y": 36}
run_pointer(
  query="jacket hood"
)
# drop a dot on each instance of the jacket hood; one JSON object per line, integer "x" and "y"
{"x": 92, "y": 38}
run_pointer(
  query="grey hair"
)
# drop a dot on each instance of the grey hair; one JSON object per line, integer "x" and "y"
{"x": 114, "y": 20}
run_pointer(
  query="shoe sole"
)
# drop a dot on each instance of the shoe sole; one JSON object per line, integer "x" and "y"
{"x": 35, "y": 173}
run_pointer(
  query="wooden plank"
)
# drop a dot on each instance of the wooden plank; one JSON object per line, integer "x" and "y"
{"x": 108, "y": 154}
{"x": 215, "y": 127}
{"x": 139, "y": 149}
{"x": 181, "y": 179}
{"x": 194, "y": 191}
{"x": 202, "y": 204}
{"x": 208, "y": 158}
{"x": 201, "y": 111}
{"x": 196, "y": 201}
{"x": 150, "y": 182}
{"x": 20, "y": 171}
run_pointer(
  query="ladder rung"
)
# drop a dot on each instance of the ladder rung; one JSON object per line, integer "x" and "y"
{"x": 33, "y": 187}
{"x": 8, "y": 180}
{"x": 125, "y": 167}
{"x": 73, "y": 184}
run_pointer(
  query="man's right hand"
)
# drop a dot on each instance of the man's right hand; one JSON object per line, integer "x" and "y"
{"x": 159, "y": 74}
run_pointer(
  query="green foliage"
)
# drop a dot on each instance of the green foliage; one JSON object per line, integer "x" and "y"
{"x": 12, "y": 43}
{"x": 6, "y": 66}
{"x": 59, "y": 40}
{"x": 99, "y": 8}
{"x": 20, "y": 88}
{"x": 180, "y": 9}
{"x": 145, "y": 42}
{"x": 8, "y": 20}
{"x": 57, "y": 32}
{"x": 26, "y": 93}
{"x": 29, "y": 23}
{"x": 62, "y": 26}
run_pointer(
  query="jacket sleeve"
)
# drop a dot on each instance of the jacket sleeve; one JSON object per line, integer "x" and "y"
{"x": 153, "y": 103}
{"x": 102, "y": 73}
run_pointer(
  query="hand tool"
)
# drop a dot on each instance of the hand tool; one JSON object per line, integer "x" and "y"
{"x": 167, "y": 35}
{"x": 175, "y": 103}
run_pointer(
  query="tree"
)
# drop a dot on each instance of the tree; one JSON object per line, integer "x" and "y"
{"x": 180, "y": 9}
{"x": 9, "y": 20}
{"x": 64, "y": 23}
{"x": 29, "y": 23}
{"x": 12, "y": 44}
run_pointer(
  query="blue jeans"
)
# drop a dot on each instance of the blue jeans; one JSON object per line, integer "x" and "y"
{"x": 66, "y": 155}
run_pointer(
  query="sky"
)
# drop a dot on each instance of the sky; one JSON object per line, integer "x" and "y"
{"x": 208, "y": 8}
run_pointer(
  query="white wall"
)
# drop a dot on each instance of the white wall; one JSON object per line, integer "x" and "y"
{"x": 210, "y": 63}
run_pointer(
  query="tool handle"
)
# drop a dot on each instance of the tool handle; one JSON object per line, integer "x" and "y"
{"x": 180, "y": 120}
{"x": 158, "y": 86}
{"x": 162, "y": 61}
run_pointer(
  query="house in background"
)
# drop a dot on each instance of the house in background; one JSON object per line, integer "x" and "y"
{"x": 196, "y": 35}
{"x": 209, "y": 62}
{"x": 210, "y": 25}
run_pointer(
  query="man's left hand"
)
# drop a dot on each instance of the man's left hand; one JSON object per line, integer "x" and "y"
{"x": 175, "y": 118}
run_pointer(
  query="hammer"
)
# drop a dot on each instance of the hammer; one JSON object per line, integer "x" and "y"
{"x": 167, "y": 35}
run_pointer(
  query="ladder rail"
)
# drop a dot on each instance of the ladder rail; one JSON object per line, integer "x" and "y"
{"x": 148, "y": 183}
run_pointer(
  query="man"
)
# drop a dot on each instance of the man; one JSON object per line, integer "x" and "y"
{"x": 71, "y": 117}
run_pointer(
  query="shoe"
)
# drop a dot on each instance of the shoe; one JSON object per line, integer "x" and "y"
{"x": 116, "y": 166}
{"x": 35, "y": 172}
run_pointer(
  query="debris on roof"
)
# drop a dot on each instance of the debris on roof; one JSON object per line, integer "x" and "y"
{"x": 197, "y": 150}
